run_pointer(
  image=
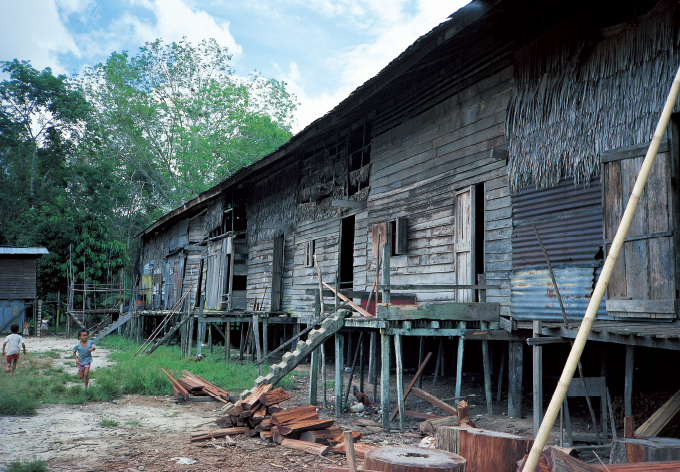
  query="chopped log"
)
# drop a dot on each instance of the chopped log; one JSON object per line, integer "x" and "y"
{"x": 302, "y": 426}
{"x": 671, "y": 466}
{"x": 492, "y": 451}
{"x": 260, "y": 412}
{"x": 274, "y": 397}
{"x": 663, "y": 420}
{"x": 422, "y": 416}
{"x": 219, "y": 433}
{"x": 360, "y": 449}
{"x": 274, "y": 409}
{"x": 320, "y": 436}
{"x": 463, "y": 410}
{"x": 254, "y": 397}
{"x": 554, "y": 459}
{"x": 447, "y": 438}
{"x": 435, "y": 401}
{"x": 340, "y": 437}
{"x": 296, "y": 413}
{"x": 251, "y": 433}
{"x": 177, "y": 385}
{"x": 413, "y": 459}
{"x": 311, "y": 448}
{"x": 278, "y": 437}
{"x": 430, "y": 426}
{"x": 627, "y": 450}
{"x": 267, "y": 436}
{"x": 249, "y": 413}
{"x": 629, "y": 427}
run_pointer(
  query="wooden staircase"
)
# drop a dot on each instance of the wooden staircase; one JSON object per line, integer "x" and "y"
{"x": 292, "y": 359}
{"x": 112, "y": 327}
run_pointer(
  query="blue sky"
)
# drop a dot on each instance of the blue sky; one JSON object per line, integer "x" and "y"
{"x": 323, "y": 49}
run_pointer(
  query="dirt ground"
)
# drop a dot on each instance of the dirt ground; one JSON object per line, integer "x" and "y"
{"x": 153, "y": 432}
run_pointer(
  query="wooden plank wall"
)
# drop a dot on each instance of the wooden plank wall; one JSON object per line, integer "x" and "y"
{"x": 498, "y": 241}
{"x": 17, "y": 278}
{"x": 417, "y": 167}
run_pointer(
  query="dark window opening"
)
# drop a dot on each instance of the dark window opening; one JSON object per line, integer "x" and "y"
{"x": 359, "y": 156}
{"x": 240, "y": 282}
{"x": 478, "y": 230}
{"x": 346, "y": 254}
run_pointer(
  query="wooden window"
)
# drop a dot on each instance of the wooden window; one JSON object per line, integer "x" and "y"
{"x": 399, "y": 236}
{"x": 309, "y": 253}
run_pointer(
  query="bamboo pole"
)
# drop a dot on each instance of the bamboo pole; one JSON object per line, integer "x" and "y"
{"x": 598, "y": 292}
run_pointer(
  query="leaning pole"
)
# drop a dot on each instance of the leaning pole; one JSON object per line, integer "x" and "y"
{"x": 598, "y": 292}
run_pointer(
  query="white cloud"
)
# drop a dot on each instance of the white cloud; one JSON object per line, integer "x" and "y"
{"x": 389, "y": 29}
{"x": 175, "y": 19}
{"x": 34, "y": 31}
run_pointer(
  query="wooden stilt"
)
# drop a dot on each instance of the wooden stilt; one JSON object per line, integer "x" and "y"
{"x": 628, "y": 381}
{"x": 313, "y": 376}
{"x": 515, "y": 367}
{"x": 361, "y": 365}
{"x": 339, "y": 349}
{"x": 459, "y": 361}
{"x": 421, "y": 354}
{"x": 227, "y": 341}
{"x": 567, "y": 423}
{"x": 504, "y": 350}
{"x": 440, "y": 355}
{"x": 190, "y": 336}
{"x": 537, "y": 355}
{"x": 265, "y": 336}
{"x": 400, "y": 381}
{"x": 210, "y": 341}
{"x": 256, "y": 337}
{"x": 323, "y": 374}
{"x": 385, "y": 379}
{"x": 348, "y": 351}
{"x": 372, "y": 365}
{"x": 242, "y": 344}
{"x": 487, "y": 371}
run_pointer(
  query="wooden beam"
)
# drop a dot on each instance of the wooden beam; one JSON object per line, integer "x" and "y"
{"x": 339, "y": 367}
{"x": 441, "y": 311}
{"x": 337, "y": 203}
{"x": 435, "y": 401}
{"x": 349, "y": 302}
{"x": 628, "y": 381}
{"x": 537, "y": 356}
{"x": 400, "y": 382}
{"x": 385, "y": 379}
{"x": 515, "y": 368}
{"x": 415, "y": 379}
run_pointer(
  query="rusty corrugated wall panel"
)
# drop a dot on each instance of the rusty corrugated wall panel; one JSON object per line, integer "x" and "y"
{"x": 8, "y": 310}
{"x": 568, "y": 219}
{"x": 17, "y": 278}
{"x": 534, "y": 296}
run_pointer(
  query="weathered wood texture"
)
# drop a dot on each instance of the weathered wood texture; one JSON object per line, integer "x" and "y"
{"x": 645, "y": 269}
{"x": 666, "y": 466}
{"x": 491, "y": 451}
{"x": 645, "y": 450}
{"x": 663, "y": 420}
{"x": 413, "y": 459}
{"x": 555, "y": 459}
{"x": 416, "y": 164}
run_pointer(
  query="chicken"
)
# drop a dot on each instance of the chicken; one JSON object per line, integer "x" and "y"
{"x": 361, "y": 397}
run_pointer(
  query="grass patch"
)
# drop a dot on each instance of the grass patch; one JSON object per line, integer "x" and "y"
{"x": 141, "y": 376}
{"x": 32, "y": 466}
{"x": 107, "y": 423}
{"x": 135, "y": 424}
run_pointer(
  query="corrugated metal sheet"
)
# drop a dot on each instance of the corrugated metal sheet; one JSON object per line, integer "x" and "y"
{"x": 534, "y": 296}
{"x": 568, "y": 219}
{"x": 8, "y": 309}
{"x": 17, "y": 278}
{"x": 17, "y": 251}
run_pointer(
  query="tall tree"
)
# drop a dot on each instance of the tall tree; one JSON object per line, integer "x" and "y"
{"x": 177, "y": 120}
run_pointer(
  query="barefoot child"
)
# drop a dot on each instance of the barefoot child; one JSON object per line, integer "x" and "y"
{"x": 27, "y": 331}
{"x": 83, "y": 354}
{"x": 13, "y": 341}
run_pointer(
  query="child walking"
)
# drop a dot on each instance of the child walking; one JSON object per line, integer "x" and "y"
{"x": 83, "y": 354}
{"x": 13, "y": 341}
{"x": 27, "y": 331}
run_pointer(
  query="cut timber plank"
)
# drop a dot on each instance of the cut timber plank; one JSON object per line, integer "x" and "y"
{"x": 290, "y": 415}
{"x": 422, "y": 416}
{"x": 177, "y": 385}
{"x": 441, "y": 311}
{"x": 302, "y": 426}
{"x": 491, "y": 451}
{"x": 340, "y": 437}
{"x": 662, "y": 419}
{"x": 361, "y": 311}
{"x": 413, "y": 459}
{"x": 274, "y": 397}
{"x": 219, "y": 433}
{"x": 360, "y": 449}
{"x": 335, "y": 468}
{"x": 435, "y": 401}
{"x": 320, "y": 436}
{"x": 311, "y": 448}
{"x": 266, "y": 436}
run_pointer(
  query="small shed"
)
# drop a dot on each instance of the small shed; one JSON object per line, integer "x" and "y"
{"x": 17, "y": 284}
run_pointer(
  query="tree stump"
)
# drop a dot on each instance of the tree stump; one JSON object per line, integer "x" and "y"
{"x": 645, "y": 450}
{"x": 412, "y": 459}
{"x": 492, "y": 451}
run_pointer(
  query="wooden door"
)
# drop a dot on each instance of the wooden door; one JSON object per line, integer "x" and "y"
{"x": 464, "y": 247}
{"x": 277, "y": 274}
{"x": 642, "y": 284}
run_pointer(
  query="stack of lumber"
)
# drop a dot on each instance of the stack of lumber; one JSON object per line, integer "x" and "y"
{"x": 260, "y": 414}
{"x": 555, "y": 459}
{"x": 194, "y": 385}
{"x": 664, "y": 422}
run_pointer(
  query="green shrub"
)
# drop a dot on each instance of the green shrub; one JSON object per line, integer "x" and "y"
{"x": 18, "y": 405}
{"x": 107, "y": 423}
{"x": 33, "y": 466}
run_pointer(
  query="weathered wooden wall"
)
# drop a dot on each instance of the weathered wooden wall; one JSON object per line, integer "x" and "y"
{"x": 418, "y": 166}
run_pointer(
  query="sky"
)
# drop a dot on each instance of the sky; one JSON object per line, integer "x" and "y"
{"x": 323, "y": 49}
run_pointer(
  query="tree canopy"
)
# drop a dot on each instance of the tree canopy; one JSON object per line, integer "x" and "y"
{"x": 88, "y": 162}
